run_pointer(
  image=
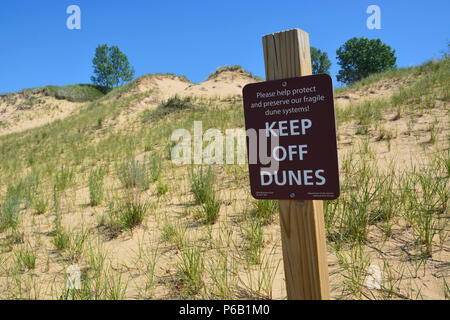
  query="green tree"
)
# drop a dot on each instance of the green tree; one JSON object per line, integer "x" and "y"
{"x": 320, "y": 62}
{"x": 361, "y": 57}
{"x": 111, "y": 67}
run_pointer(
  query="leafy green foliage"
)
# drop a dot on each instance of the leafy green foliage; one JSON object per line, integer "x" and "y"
{"x": 361, "y": 57}
{"x": 111, "y": 67}
{"x": 320, "y": 62}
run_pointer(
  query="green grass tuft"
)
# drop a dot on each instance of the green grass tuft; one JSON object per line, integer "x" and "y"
{"x": 76, "y": 92}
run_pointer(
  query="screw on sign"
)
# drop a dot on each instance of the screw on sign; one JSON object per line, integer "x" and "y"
{"x": 294, "y": 154}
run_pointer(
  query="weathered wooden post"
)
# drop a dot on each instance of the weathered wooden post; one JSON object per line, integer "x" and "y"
{"x": 287, "y": 55}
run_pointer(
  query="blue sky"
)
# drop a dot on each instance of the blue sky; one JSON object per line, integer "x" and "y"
{"x": 195, "y": 37}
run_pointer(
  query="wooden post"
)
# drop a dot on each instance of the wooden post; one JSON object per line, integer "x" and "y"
{"x": 286, "y": 55}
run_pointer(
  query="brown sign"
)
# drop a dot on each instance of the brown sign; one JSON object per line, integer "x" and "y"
{"x": 291, "y": 139}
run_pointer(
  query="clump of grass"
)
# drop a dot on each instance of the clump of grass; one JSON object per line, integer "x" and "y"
{"x": 61, "y": 239}
{"x": 362, "y": 130}
{"x": 40, "y": 205}
{"x": 349, "y": 217}
{"x": 147, "y": 259}
{"x": 115, "y": 287}
{"x": 174, "y": 233}
{"x": 259, "y": 284}
{"x": 190, "y": 268}
{"x": 76, "y": 245}
{"x": 387, "y": 201}
{"x": 209, "y": 211}
{"x": 254, "y": 234}
{"x": 132, "y": 214}
{"x": 265, "y": 210}
{"x": 96, "y": 186}
{"x": 202, "y": 184}
{"x": 426, "y": 206}
{"x": 69, "y": 242}
{"x": 383, "y": 134}
{"x": 25, "y": 258}
{"x": 124, "y": 215}
{"x": 222, "y": 272}
{"x": 433, "y": 131}
{"x": 9, "y": 213}
{"x": 161, "y": 188}
{"x": 355, "y": 266}
{"x": 133, "y": 173}
{"x": 23, "y": 192}
{"x": 155, "y": 168}
{"x": 64, "y": 178}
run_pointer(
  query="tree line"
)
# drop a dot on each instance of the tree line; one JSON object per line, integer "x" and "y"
{"x": 358, "y": 58}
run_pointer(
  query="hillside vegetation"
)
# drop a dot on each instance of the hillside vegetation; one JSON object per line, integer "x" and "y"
{"x": 94, "y": 186}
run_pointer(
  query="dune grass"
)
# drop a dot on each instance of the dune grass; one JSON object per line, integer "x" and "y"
{"x": 216, "y": 242}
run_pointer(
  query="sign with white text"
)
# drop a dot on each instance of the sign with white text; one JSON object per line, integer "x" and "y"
{"x": 291, "y": 139}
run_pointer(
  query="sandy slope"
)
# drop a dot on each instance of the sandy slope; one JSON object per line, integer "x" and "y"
{"x": 222, "y": 84}
{"x": 19, "y": 112}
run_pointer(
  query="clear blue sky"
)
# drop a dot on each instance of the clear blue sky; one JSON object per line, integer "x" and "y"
{"x": 194, "y": 37}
